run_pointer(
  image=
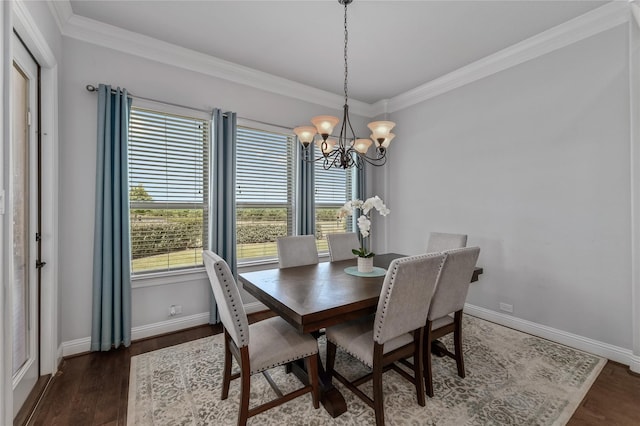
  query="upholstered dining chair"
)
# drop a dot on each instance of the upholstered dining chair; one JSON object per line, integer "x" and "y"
{"x": 445, "y": 312}
{"x": 440, "y": 241}
{"x": 395, "y": 332}
{"x": 297, "y": 250}
{"x": 257, "y": 347}
{"x": 341, "y": 244}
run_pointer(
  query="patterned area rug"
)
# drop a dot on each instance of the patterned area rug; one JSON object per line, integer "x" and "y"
{"x": 512, "y": 378}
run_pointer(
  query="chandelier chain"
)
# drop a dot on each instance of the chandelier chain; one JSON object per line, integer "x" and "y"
{"x": 346, "y": 65}
{"x": 346, "y": 150}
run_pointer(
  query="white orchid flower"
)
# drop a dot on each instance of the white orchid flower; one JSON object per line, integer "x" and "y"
{"x": 365, "y": 225}
{"x": 367, "y": 206}
{"x": 364, "y": 222}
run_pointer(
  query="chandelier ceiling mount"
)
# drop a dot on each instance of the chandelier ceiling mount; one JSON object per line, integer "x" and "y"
{"x": 347, "y": 150}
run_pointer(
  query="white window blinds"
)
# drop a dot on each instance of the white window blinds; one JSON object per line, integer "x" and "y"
{"x": 168, "y": 190}
{"x": 264, "y": 191}
{"x": 333, "y": 188}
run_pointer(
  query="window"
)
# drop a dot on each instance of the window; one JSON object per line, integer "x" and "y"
{"x": 168, "y": 186}
{"x": 333, "y": 188}
{"x": 264, "y": 192}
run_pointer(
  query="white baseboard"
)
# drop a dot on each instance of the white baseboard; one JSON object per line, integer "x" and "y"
{"x": 82, "y": 345}
{"x": 169, "y": 326}
{"x": 77, "y": 346}
{"x": 614, "y": 353}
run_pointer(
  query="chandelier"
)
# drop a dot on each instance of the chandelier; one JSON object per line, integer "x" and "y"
{"x": 347, "y": 150}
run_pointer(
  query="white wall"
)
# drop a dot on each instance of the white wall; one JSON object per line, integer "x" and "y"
{"x": 90, "y": 64}
{"x": 533, "y": 164}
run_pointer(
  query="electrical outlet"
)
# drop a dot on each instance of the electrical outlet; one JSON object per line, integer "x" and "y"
{"x": 506, "y": 307}
{"x": 175, "y": 310}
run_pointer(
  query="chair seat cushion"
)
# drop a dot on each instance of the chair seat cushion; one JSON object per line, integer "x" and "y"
{"x": 441, "y": 322}
{"x": 275, "y": 342}
{"x": 356, "y": 338}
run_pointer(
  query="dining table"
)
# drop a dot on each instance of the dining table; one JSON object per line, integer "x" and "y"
{"x": 313, "y": 297}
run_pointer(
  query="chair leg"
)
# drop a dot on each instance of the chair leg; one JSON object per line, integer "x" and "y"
{"x": 378, "y": 400}
{"x": 245, "y": 387}
{"x": 418, "y": 363}
{"x": 331, "y": 360}
{"x": 457, "y": 339}
{"x": 226, "y": 377}
{"x": 428, "y": 377}
{"x": 312, "y": 368}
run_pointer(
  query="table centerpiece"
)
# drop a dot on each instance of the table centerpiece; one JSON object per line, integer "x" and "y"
{"x": 365, "y": 256}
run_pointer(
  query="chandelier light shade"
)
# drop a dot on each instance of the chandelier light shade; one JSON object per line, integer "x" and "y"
{"x": 325, "y": 124}
{"x": 347, "y": 150}
{"x": 362, "y": 145}
{"x": 387, "y": 140}
{"x": 305, "y": 134}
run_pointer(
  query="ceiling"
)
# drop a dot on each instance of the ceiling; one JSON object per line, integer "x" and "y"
{"x": 394, "y": 46}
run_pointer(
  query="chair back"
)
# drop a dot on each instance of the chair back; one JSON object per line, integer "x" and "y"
{"x": 440, "y": 241}
{"x": 297, "y": 250}
{"x": 453, "y": 283}
{"x": 406, "y": 295}
{"x": 341, "y": 244}
{"x": 227, "y": 296}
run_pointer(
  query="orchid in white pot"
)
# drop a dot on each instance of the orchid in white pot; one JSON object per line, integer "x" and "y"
{"x": 364, "y": 220}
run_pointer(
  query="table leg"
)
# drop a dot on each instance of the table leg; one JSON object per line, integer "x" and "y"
{"x": 438, "y": 348}
{"x": 330, "y": 397}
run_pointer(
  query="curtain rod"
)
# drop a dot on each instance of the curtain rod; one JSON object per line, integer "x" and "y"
{"x": 92, "y": 88}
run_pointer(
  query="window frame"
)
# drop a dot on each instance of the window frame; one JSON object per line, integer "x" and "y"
{"x": 190, "y": 273}
{"x": 292, "y": 203}
{"x": 349, "y": 191}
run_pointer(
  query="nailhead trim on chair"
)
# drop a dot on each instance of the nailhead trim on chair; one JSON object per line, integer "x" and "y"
{"x": 223, "y": 279}
{"x": 395, "y": 263}
{"x": 370, "y": 365}
{"x": 283, "y": 362}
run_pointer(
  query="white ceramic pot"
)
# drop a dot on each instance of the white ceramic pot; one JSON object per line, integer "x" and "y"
{"x": 365, "y": 264}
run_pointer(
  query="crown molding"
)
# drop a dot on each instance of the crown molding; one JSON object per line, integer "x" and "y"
{"x": 112, "y": 37}
{"x": 635, "y": 10}
{"x": 598, "y": 20}
{"x": 30, "y": 33}
{"x": 380, "y": 107}
{"x": 61, "y": 11}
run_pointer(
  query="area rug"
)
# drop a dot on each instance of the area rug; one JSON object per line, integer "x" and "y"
{"x": 512, "y": 378}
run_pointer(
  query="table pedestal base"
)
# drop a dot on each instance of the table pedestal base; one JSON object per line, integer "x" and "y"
{"x": 330, "y": 397}
{"x": 438, "y": 348}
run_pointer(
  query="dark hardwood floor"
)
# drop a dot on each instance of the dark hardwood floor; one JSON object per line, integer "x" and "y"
{"x": 92, "y": 389}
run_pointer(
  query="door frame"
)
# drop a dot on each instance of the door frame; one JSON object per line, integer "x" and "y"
{"x": 14, "y": 15}
{"x": 25, "y": 379}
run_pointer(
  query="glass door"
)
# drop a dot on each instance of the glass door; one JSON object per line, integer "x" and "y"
{"x": 23, "y": 208}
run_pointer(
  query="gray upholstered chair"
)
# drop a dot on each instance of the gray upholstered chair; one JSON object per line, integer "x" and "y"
{"x": 440, "y": 241}
{"x": 396, "y": 332}
{"x": 341, "y": 244}
{"x": 448, "y": 299}
{"x": 297, "y": 250}
{"x": 256, "y": 347}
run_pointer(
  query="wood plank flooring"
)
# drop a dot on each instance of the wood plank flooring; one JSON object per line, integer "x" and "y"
{"x": 92, "y": 389}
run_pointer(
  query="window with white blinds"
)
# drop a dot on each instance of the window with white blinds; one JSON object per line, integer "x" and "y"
{"x": 168, "y": 190}
{"x": 332, "y": 189}
{"x": 264, "y": 191}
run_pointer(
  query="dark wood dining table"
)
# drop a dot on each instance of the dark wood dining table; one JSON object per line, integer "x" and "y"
{"x": 313, "y": 297}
